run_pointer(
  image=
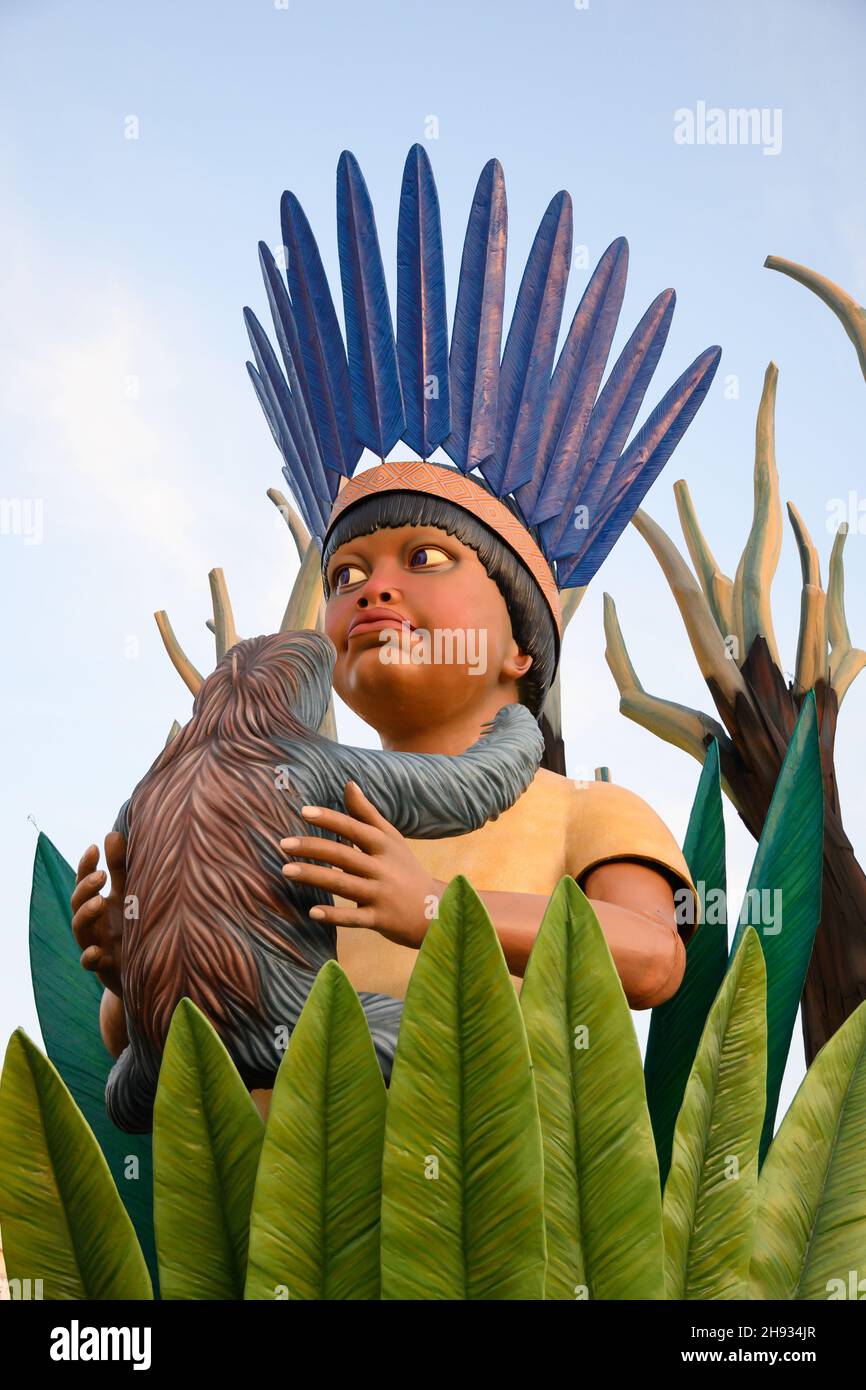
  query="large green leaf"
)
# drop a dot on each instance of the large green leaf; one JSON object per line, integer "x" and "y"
{"x": 783, "y": 899}
{"x": 602, "y": 1200}
{"x": 62, "y": 1219}
{"x": 676, "y": 1026}
{"x": 207, "y": 1135}
{"x": 67, "y": 1004}
{"x": 314, "y": 1231}
{"x": 710, "y": 1195}
{"x": 462, "y": 1186}
{"x": 811, "y": 1232}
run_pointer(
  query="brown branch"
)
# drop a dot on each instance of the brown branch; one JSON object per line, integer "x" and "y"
{"x": 191, "y": 678}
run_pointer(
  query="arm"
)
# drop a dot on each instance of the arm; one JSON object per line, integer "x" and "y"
{"x": 634, "y": 904}
{"x": 634, "y": 901}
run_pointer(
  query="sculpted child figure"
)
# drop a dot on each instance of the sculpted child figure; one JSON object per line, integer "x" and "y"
{"x": 410, "y": 565}
{"x": 542, "y": 484}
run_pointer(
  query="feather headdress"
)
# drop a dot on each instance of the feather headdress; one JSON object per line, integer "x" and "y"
{"x": 541, "y": 432}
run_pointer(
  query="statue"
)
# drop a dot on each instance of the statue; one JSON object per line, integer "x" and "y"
{"x": 442, "y": 584}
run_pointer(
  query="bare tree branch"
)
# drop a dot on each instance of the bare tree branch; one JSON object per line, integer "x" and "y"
{"x": 761, "y": 553}
{"x": 224, "y": 623}
{"x": 680, "y": 725}
{"x": 708, "y": 645}
{"x": 850, "y": 314}
{"x": 301, "y": 536}
{"x": 191, "y": 678}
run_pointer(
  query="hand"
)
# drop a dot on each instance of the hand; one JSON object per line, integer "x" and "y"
{"x": 97, "y": 922}
{"x": 378, "y": 871}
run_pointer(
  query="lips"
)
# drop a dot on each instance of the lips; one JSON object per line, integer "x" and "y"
{"x": 373, "y": 619}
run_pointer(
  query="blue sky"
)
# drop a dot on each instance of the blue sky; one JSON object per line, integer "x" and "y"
{"x": 128, "y": 262}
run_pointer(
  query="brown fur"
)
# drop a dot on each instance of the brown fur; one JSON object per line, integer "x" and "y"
{"x": 189, "y": 845}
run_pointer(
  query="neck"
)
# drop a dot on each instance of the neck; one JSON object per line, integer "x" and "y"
{"x": 445, "y": 732}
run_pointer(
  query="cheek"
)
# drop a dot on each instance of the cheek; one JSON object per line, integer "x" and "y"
{"x": 336, "y": 619}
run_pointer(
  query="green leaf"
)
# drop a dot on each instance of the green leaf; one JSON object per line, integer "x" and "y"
{"x": 783, "y": 899}
{"x": 602, "y": 1200}
{"x": 676, "y": 1026}
{"x": 207, "y": 1135}
{"x": 67, "y": 1004}
{"x": 462, "y": 1186}
{"x": 314, "y": 1231}
{"x": 710, "y": 1195}
{"x": 62, "y": 1219}
{"x": 811, "y": 1231}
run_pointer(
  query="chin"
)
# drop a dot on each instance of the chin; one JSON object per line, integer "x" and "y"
{"x": 370, "y": 684}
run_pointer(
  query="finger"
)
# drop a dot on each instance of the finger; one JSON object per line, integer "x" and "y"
{"x": 88, "y": 862}
{"x": 341, "y": 915}
{"x": 328, "y": 851}
{"x": 360, "y": 890}
{"x": 86, "y": 922}
{"x": 362, "y": 808}
{"x": 365, "y": 836}
{"x": 115, "y": 858}
{"x": 86, "y": 888}
{"x": 91, "y": 959}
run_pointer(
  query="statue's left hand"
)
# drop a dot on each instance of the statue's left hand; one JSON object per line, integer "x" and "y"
{"x": 394, "y": 893}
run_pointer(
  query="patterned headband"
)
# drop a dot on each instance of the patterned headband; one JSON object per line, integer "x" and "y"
{"x": 537, "y": 428}
{"x": 435, "y": 480}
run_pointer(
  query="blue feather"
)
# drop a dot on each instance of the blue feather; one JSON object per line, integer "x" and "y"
{"x": 476, "y": 336}
{"x": 292, "y": 408}
{"x": 524, "y": 379}
{"x": 283, "y": 414}
{"x": 575, "y": 386}
{"x": 377, "y": 401}
{"x": 640, "y": 465}
{"x": 609, "y": 425}
{"x": 283, "y": 317}
{"x": 422, "y": 321}
{"x": 290, "y": 351}
{"x": 311, "y": 522}
{"x": 323, "y": 355}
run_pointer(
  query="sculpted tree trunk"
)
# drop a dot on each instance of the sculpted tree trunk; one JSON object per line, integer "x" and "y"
{"x": 730, "y": 627}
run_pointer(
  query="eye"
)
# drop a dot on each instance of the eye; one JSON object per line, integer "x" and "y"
{"x": 344, "y": 575}
{"x": 427, "y": 556}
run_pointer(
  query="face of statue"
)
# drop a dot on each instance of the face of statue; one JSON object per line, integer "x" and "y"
{"x": 420, "y": 629}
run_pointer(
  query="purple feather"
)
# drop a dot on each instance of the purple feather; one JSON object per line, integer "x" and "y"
{"x": 527, "y": 362}
{"x": 292, "y": 409}
{"x": 610, "y": 423}
{"x": 422, "y": 320}
{"x": 323, "y": 355}
{"x": 290, "y": 351}
{"x": 292, "y": 471}
{"x": 476, "y": 336}
{"x": 639, "y": 467}
{"x": 575, "y": 385}
{"x": 377, "y": 400}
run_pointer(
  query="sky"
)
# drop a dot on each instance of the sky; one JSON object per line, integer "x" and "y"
{"x": 143, "y": 151}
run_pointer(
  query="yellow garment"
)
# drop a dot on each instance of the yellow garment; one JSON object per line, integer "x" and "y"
{"x": 557, "y": 827}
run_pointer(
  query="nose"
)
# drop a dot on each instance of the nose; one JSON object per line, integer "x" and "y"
{"x": 380, "y": 588}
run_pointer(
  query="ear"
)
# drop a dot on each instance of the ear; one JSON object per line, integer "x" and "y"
{"x": 516, "y": 663}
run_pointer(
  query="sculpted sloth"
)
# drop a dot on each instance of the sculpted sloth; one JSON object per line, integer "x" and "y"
{"x": 209, "y": 913}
